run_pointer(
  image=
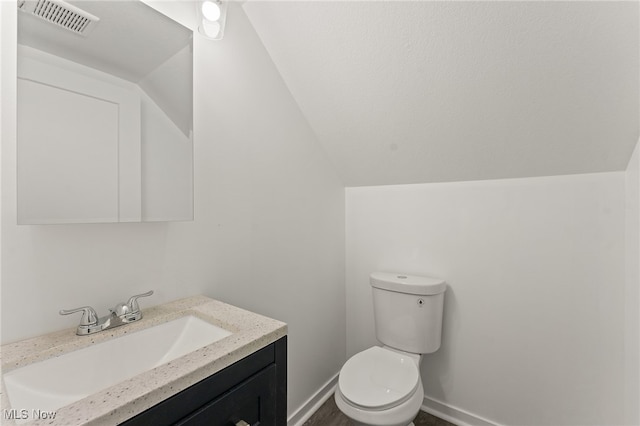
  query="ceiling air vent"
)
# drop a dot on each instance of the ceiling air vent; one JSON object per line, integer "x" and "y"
{"x": 61, "y": 14}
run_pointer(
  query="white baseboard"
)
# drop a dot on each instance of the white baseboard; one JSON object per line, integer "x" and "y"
{"x": 454, "y": 415}
{"x": 307, "y": 409}
{"x": 447, "y": 412}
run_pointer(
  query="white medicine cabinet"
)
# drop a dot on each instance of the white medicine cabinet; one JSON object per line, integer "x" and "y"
{"x": 104, "y": 114}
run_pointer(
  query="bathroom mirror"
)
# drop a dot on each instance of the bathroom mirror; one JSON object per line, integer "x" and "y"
{"x": 105, "y": 113}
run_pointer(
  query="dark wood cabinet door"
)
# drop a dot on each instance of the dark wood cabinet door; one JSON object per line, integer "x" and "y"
{"x": 253, "y": 390}
{"x": 253, "y": 402}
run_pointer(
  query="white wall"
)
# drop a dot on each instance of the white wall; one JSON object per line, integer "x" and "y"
{"x": 534, "y": 312}
{"x": 268, "y": 233}
{"x": 632, "y": 290}
{"x": 274, "y": 201}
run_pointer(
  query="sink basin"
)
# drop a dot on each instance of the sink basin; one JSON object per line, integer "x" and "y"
{"x": 56, "y": 382}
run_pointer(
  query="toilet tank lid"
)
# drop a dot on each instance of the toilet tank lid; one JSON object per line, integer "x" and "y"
{"x": 410, "y": 284}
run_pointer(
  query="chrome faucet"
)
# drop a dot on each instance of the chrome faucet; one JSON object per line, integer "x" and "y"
{"x": 122, "y": 313}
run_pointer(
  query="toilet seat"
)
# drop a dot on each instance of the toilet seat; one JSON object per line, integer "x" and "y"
{"x": 378, "y": 379}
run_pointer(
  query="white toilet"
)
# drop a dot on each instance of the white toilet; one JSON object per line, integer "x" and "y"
{"x": 381, "y": 386}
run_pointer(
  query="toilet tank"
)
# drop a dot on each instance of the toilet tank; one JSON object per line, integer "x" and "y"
{"x": 408, "y": 311}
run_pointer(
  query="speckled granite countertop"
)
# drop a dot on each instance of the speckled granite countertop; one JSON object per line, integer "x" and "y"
{"x": 130, "y": 397}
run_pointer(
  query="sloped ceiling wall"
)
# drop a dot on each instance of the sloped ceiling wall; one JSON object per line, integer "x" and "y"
{"x": 420, "y": 91}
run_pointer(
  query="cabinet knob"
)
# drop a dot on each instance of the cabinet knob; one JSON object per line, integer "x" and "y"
{"x": 242, "y": 423}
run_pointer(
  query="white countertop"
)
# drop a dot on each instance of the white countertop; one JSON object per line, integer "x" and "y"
{"x": 120, "y": 402}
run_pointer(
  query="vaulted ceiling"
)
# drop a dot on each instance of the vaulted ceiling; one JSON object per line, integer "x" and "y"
{"x": 422, "y": 91}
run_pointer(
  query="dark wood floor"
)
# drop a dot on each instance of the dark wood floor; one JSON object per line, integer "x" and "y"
{"x": 330, "y": 415}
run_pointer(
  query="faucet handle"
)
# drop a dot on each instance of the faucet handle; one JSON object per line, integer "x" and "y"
{"x": 133, "y": 301}
{"x": 89, "y": 316}
{"x": 121, "y": 309}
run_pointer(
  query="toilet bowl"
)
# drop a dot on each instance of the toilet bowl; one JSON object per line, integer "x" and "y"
{"x": 381, "y": 386}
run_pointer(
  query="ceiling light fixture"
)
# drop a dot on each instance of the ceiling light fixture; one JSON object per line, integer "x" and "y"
{"x": 212, "y": 15}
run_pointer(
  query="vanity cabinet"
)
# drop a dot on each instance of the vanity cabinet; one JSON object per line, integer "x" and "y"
{"x": 252, "y": 391}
